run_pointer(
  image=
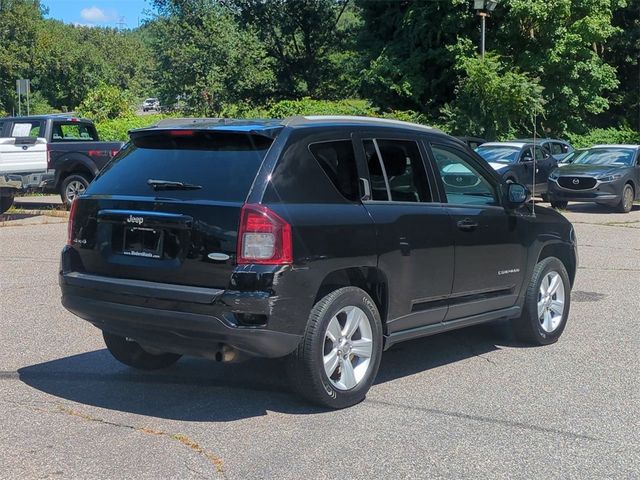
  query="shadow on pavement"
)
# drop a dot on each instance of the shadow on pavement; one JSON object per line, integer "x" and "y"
{"x": 202, "y": 390}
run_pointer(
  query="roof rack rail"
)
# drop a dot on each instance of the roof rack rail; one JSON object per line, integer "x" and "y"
{"x": 298, "y": 119}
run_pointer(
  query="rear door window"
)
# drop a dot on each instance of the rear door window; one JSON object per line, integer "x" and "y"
{"x": 396, "y": 171}
{"x": 223, "y": 165}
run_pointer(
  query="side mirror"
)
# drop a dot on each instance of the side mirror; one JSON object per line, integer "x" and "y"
{"x": 517, "y": 194}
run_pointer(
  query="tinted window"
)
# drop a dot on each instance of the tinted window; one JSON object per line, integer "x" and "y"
{"x": 463, "y": 184}
{"x": 339, "y": 163}
{"x": 539, "y": 153}
{"x": 73, "y": 131}
{"x": 224, "y": 164}
{"x": 401, "y": 173}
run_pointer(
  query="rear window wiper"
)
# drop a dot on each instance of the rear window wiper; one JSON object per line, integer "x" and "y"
{"x": 171, "y": 185}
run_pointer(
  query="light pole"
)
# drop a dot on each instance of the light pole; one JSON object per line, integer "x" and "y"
{"x": 484, "y": 7}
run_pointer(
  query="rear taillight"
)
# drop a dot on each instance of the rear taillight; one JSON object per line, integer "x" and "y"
{"x": 49, "y": 161}
{"x": 263, "y": 237}
{"x": 114, "y": 152}
{"x": 72, "y": 221}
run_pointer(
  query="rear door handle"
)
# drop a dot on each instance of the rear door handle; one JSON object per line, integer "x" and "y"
{"x": 467, "y": 225}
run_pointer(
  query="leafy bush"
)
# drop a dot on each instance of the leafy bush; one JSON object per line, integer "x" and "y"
{"x": 605, "y": 135}
{"x": 106, "y": 102}
{"x": 115, "y": 130}
{"x": 38, "y": 104}
{"x": 309, "y": 106}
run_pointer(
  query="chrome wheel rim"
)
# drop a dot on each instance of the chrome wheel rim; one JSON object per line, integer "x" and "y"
{"x": 75, "y": 189}
{"x": 551, "y": 298}
{"x": 628, "y": 198}
{"x": 348, "y": 347}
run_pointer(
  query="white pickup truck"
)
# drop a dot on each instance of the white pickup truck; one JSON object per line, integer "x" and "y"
{"x": 57, "y": 153}
{"x": 23, "y": 164}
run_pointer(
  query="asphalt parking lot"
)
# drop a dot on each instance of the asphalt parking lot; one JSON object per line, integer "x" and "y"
{"x": 471, "y": 403}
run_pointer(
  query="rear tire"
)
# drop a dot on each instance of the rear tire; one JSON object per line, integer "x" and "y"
{"x": 132, "y": 354}
{"x": 5, "y": 203}
{"x": 626, "y": 202}
{"x": 546, "y": 305}
{"x": 73, "y": 186}
{"x": 559, "y": 205}
{"x": 343, "y": 337}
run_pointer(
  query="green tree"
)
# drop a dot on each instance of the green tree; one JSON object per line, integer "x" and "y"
{"x": 623, "y": 53}
{"x": 406, "y": 49}
{"x": 562, "y": 42}
{"x": 19, "y": 20}
{"x": 206, "y": 60}
{"x": 106, "y": 102}
{"x": 310, "y": 40}
{"x": 493, "y": 100}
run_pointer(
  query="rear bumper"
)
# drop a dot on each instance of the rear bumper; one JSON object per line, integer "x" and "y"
{"x": 174, "y": 318}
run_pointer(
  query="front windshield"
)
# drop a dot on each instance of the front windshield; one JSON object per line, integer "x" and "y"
{"x": 622, "y": 157}
{"x": 498, "y": 154}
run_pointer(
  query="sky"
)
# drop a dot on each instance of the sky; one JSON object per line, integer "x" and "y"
{"x": 102, "y": 13}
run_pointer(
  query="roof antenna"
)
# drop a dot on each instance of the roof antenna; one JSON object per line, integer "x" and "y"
{"x": 535, "y": 163}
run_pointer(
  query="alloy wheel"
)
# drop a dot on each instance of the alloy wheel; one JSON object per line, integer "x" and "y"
{"x": 74, "y": 189}
{"x": 348, "y": 348}
{"x": 551, "y": 299}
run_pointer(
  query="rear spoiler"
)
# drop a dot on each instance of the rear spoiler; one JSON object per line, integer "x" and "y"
{"x": 22, "y": 141}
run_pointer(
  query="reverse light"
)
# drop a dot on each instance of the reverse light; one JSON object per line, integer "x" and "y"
{"x": 263, "y": 237}
{"x": 72, "y": 221}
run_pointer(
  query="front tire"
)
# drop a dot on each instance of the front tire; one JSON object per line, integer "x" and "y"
{"x": 73, "y": 186}
{"x": 5, "y": 203}
{"x": 626, "y": 202}
{"x": 132, "y": 354}
{"x": 339, "y": 355}
{"x": 546, "y": 305}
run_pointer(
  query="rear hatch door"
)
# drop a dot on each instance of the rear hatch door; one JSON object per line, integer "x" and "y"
{"x": 167, "y": 207}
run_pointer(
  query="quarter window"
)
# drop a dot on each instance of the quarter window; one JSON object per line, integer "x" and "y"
{"x": 396, "y": 171}
{"x": 463, "y": 183}
{"x": 339, "y": 163}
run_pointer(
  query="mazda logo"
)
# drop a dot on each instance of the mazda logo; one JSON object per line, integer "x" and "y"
{"x": 459, "y": 179}
{"x": 575, "y": 181}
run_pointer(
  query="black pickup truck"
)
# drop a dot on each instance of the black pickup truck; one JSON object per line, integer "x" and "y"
{"x": 64, "y": 156}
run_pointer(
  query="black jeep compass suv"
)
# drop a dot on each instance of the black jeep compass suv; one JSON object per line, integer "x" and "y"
{"x": 324, "y": 239}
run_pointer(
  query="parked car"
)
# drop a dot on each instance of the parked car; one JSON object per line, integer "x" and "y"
{"x": 55, "y": 153}
{"x": 558, "y": 149}
{"x": 324, "y": 239}
{"x": 605, "y": 174}
{"x": 151, "y": 104}
{"x": 472, "y": 142}
{"x": 514, "y": 162}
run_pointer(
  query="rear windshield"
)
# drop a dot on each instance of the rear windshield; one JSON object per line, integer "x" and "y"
{"x": 73, "y": 132}
{"x": 223, "y": 164}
